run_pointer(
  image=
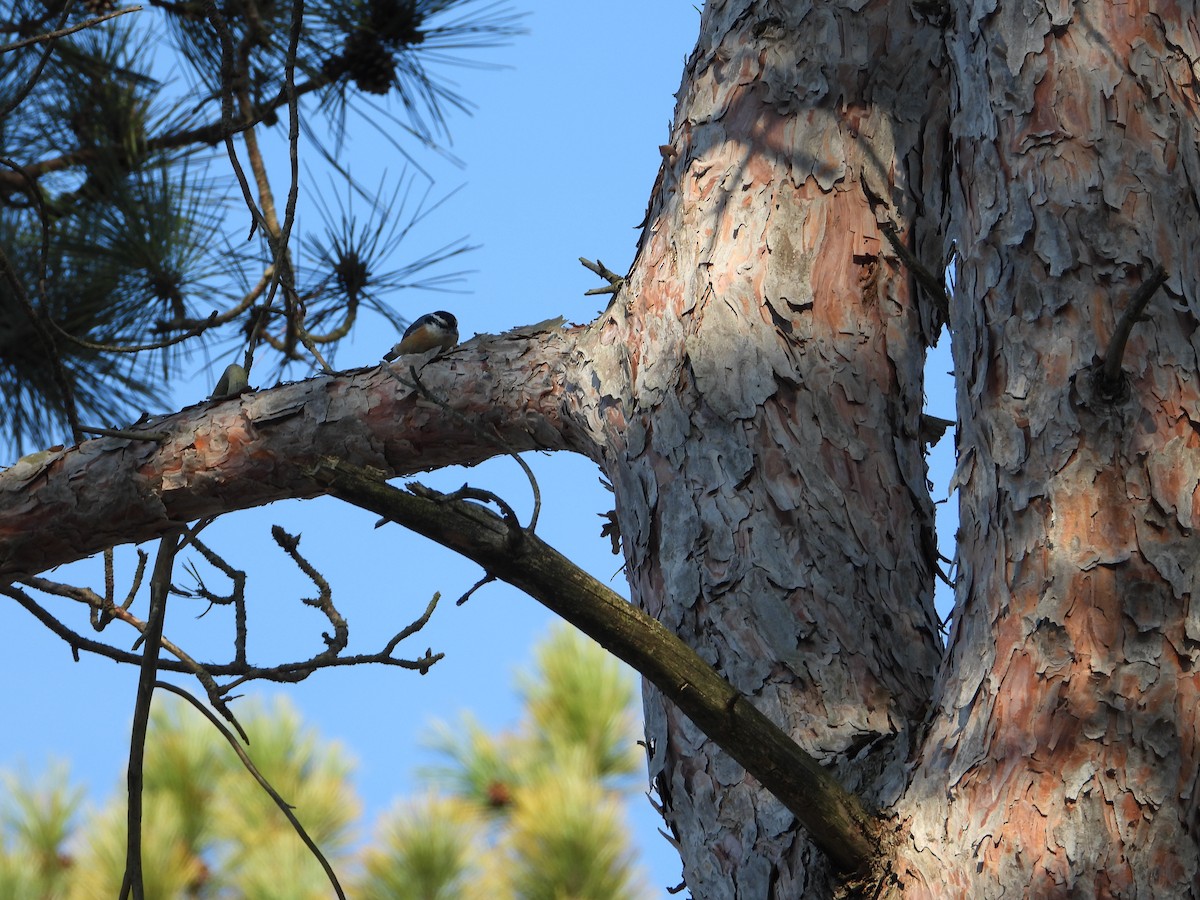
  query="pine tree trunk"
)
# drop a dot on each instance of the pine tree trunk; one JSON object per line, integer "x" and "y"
{"x": 1063, "y": 756}
{"x": 763, "y": 373}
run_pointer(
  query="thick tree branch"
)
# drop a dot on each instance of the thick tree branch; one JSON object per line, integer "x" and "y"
{"x": 833, "y": 816}
{"x": 220, "y": 456}
{"x": 60, "y": 506}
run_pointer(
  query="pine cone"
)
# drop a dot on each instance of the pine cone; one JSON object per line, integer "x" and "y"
{"x": 396, "y": 22}
{"x": 369, "y": 63}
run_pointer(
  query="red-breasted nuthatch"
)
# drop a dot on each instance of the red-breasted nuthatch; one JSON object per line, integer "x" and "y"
{"x": 435, "y": 329}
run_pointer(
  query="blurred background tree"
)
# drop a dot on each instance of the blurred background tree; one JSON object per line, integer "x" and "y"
{"x": 535, "y": 812}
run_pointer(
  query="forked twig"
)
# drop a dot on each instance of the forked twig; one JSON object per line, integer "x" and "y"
{"x": 494, "y": 440}
{"x": 615, "y": 281}
{"x": 335, "y": 643}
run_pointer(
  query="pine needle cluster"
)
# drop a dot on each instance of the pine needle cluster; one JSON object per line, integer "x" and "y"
{"x": 546, "y": 799}
{"x": 136, "y": 150}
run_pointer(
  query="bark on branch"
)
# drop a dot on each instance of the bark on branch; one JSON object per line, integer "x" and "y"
{"x": 834, "y": 817}
{"x": 61, "y": 505}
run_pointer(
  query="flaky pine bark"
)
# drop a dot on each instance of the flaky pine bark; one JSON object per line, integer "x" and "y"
{"x": 1063, "y": 756}
{"x": 762, "y": 385}
{"x": 220, "y": 456}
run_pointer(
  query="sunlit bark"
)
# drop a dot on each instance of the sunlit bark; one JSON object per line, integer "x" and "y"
{"x": 220, "y": 456}
{"x": 764, "y": 381}
{"x": 1063, "y": 756}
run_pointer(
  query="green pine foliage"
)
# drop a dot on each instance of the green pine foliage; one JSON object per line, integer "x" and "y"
{"x": 579, "y": 700}
{"x": 567, "y": 839}
{"x": 314, "y": 776}
{"x": 209, "y": 830}
{"x": 430, "y": 848}
{"x": 171, "y": 868}
{"x": 35, "y": 825}
{"x": 123, "y": 220}
{"x": 536, "y": 812}
{"x": 552, "y": 790}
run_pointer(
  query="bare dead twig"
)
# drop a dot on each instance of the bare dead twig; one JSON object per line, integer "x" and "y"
{"x": 335, "y": 643}
{"x": 99, "y": 613}
{"x": 156, "y": 437}
{"x": 228, "y": 78}
{"x": 492, "y": 439}
{"x": 63, "y": 32}
{"x": 289, "y": 86}
{"x": 110, "y": 585}
{"x": 283, "y": 805}
{"x": 466, "y": 492}
{"x": 194, "y": 329}
{"x": 160, "y": 586}
{"x": 515, "y": 533}
{"x": 236, "y": 597}
{"x": 310, "y": 345}
{"x": 1108, "y": 377}
{"x": 264, "y": 212}
{"x": 930, "y": 282}
{"x": 488, "y": 578}
{"x": 214, "y": 319}
{"x": 74, "y": 640}
{"x": 615, "y": 281}
{"x": 288, "y": 673}
{"x": 412, "y": 628}
{"x": 243, "y": 673}
{"x": 104, "y": 609}
{"x": 21, "y": 93}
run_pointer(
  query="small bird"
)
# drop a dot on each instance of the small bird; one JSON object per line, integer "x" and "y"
{"x": 435, "y": 329}
{"x": 233, "y": 381}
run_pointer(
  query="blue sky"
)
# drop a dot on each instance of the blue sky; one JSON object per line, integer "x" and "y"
{"x": 559, "y": 159}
